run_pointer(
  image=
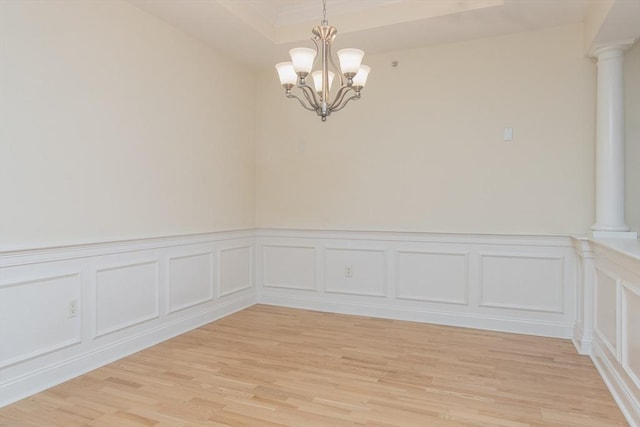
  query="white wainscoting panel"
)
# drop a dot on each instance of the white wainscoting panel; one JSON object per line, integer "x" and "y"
{"x": 355, "y": 271}
{"x": 616, "y": 341}
{"x": 135, "y": 294}
{"x": 433, "y": 276}
{"x": 236, "y": 269}
{"x": 190, "y": 280}
{"x": 606, "y": 311}
{"x": 522, "y": 282}
{"x": 126, "y": 295}
{"x": 631, "y": 331}
{"x": 290, "y": 267}
{"x": 45, "y": 325}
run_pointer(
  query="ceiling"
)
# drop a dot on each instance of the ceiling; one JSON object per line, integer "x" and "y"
{"x": 260, "y": 32}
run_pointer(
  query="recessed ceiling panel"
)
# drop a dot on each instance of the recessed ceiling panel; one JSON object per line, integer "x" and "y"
{"x": 260, "y": 32}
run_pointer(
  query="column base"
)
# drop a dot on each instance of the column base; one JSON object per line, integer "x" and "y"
{"x": 601, "y": 234}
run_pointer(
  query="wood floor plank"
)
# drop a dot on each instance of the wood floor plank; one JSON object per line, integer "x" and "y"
{"x": 274, "y": 366}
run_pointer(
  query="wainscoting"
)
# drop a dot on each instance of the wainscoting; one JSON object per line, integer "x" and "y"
{"x": 612, "y": 324}
{"x": 69, "y": 310}
{"x": 523, "y": 284}
{"x": 65, "y": 311}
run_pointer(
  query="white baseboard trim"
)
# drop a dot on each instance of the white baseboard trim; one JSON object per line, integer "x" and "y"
{"x": 388, "y": 311}
{"x": 620, "y": 387}
{"x": 49, "y": 376}
{"x": 580, "y": 341}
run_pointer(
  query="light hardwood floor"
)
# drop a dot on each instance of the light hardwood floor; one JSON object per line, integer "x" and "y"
{"x": 268, "y": 366}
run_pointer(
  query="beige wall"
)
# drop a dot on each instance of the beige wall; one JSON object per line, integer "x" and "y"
{"x": 114, "y": 126}
{"x": 423, "y": 149}
{"x": 632, "y": 135}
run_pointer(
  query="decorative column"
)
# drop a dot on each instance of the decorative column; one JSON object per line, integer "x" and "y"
{"x": 610, "y": 142}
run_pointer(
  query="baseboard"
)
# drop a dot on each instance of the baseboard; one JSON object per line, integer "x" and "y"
{"x": 580, "y": 341}
{"x": 618, "y": 384}
{"x": 49, "y": 376}
{"x": 422, "y": 315}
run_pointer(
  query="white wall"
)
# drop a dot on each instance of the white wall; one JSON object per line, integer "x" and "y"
{"x": 423, "y": 149}
{"x": 632, "y": 136}
{"x": 115, "y": 125}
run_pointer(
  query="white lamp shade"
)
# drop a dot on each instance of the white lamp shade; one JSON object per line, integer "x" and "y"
{"x": 350, "y": 60}
{"x": 360, "y": 78}
{"x": 317, "y": 79}
{"x": 286, "y": 73}
{"x": 302, "y": 59}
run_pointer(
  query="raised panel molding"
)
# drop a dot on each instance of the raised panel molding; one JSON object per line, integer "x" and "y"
{"x": 630, "y": 334}
{"x": 126, "y": 295}
{"x": 433, "y": 276}
{"x": 606, "y": 309}
{"x": 424, "y": 277}
{"x": 123, "y": 295}
{"x": 46, "y": 280}
{"x": 367, "y": 271}
{"x": 522, "y": 282}
{"x": 34, "y": 316}
{"x": 295, "y": 267}
{"x": 289, "y": 267}
{"x": 190, "y": 280}
{"x": 235, "y": 269}
{"x": 616, "y": 321}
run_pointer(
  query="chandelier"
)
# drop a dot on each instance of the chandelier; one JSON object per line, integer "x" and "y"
{"x": 321, "y": 99}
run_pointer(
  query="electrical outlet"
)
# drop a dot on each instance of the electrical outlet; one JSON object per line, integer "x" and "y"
{"x": 348, "y": 271}
{"x": 72, "y": 310}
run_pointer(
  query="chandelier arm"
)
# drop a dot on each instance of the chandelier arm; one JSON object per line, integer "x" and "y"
{"x": 354, "y": 97}
{"x": 308, "y": 93}
{"x": 342, "y": 92}
{"x": 315, "y": 60}
{"x": 335, "y": 67}
{"x": 300, "y": 101}
{"x": 325, "y": 74}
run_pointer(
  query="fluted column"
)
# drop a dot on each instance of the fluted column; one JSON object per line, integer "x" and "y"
{"x": 610, "y": 142}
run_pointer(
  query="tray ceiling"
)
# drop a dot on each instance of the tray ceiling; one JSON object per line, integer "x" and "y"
{"x": 260, "y": 32}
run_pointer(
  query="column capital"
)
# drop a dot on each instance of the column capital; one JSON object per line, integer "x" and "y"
{"x": 610, "y": 48}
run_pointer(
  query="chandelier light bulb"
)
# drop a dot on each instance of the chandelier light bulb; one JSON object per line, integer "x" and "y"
{"x": 317, "y": 80}
{"x": 302, "y": 59}
{"x": 360, "y": 79}
{"x": 287, "y": 74}
{"x": 350, "y": 60}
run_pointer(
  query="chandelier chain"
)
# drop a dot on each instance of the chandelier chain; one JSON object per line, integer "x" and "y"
{"x": 324, "y": 12}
